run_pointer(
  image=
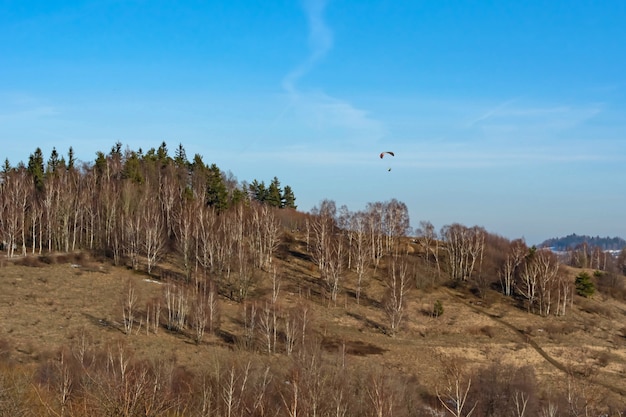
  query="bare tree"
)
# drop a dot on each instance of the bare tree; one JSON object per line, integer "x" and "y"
{"x": 565, "y": 291}
{"x": 453, "y": 395}
{"x": 395, "y": 223}
{"x": 548, "y": 269}
{"x": 90, "y": 207}
{"x": 51, "y": 190}
{"x": 177, "y": 306}
{"x": 335, "y": 264}
{"x": 344, "y": 223}
{"x": 36, "y": 221}
{"x": 154, "y": 233}
{"x": 234, "y": 389}
{"x": 514, "y": 259}
{"x": 520, "y": 399}
{"x": 265, "y": 234}
{"x": 380, "y": 395}
{"x": 250, "y": 320}
{"x": 128, "y": 226}
{"x": 323, "y": 226}
{"x": 537, "y": 279}
{"x": 550, "y": 409}
{"x": 185, "y": 214}
{"x": 427, "y": 236}
{"x": 465, "y": 246}
{"x": 153, "y": 315}
{"x": 361, "y": 249}
{"x": 127, "y": 387}
{"x": 398, "y": 285}
{"x": 375, "y": 226}
{"x": 14, "y": 200}
{"x": 292, "y": 398}
{"x": 266, "y": 327}
{"x": 66, "y": 210}
{"x": 129, "y": 305}
{"x": 204, "y": 236}
{"x": 204, "y": 310}
{"x": 169, "y": 195}
{"x": 314, "y": 379}
{"x": 529, "y": 281}
{"x": 290, "y": 330}
{"x": 226, "y": 241}
{"x": 263, "y": 402}
{"x": 296, "y": 322}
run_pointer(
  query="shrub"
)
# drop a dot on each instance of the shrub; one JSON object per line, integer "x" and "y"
{"x": 438, "y": 309}
{"x": 584, "y": 286}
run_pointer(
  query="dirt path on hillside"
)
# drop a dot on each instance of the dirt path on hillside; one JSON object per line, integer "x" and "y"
{"x": 529, "y": 340}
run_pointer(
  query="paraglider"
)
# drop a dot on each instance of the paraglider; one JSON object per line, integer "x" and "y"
{"x": 382, "y": 154}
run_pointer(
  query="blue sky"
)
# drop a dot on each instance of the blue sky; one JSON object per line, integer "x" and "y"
{"x": 508, "y": 115}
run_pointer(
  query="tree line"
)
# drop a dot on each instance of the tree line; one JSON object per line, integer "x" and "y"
{"x": 56, "y": 205}
{"x": 136, "y": 208}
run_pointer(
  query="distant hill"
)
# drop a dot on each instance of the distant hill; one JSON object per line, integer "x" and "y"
{"x": 574, "y": 240}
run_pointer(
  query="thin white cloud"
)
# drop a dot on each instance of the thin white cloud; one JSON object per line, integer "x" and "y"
{"x": 490, "y": 113}
{"x": 320, "y": 42}
{"x": 471, "y": 155}
{"x": 316, "y": 108}
{"x": 22, "y": 107}
{"x": 546, "y": 118}
{"x": 321, "y": 111}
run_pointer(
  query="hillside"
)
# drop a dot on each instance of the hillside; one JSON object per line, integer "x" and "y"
{"x": 574, "y": 241}
{"x": 74, "y": 304}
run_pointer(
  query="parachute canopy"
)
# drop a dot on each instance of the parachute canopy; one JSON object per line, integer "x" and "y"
{"x": 382, "y": 154}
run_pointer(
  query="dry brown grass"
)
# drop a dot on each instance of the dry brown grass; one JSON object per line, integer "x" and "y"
{"x": 47, "y": 303}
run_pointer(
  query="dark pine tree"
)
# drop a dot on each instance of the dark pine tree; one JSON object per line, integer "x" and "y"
{"x": 216, "y": 192}
{"x": 71, "y": 159}
{"x": 584, "y": 285}
{"x": 258, "y": 190}
{"x": 36, "y": 168}
{"x": 180, "y": 156}
{"x": 274, "y": 194}
{"x": 289, "y": 199}
{"x": 53, "y": 161}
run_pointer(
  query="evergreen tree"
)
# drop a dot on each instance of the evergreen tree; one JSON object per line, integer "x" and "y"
{"x": 238, "y": 195}
{"x": 71, "y": 159}
{"x": 584, "y": 285}
{"x": 100, "y": 164}
{"x": 197, "y": 163}
{"x": 180, "y": 157}
{"x": 53, "y": 162}
{"x": 216, "y": 193}
{"x": 198, "y": 176}
{"x": 258, "y": 190}
{"x": 116, "y": 150}
{"x": 6, "y": 167}
{"x": 289, "y": 199}
{"x": 161, "y": 153}
{"x": 274, "y": 194}
{"x": 132, "y": 168}
{"x": 36, "y": 169}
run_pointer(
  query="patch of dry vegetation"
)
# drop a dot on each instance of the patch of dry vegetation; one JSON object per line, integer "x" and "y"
{"x": 75, "y": 304}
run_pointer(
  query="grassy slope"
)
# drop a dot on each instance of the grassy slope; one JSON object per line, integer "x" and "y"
{"x": 47, "y": 307}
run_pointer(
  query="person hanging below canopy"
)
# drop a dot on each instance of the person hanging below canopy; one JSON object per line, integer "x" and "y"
{"x": 382, "y": 155}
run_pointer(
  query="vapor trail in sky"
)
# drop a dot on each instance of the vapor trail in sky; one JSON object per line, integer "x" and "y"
{"x": 320, "y": 42}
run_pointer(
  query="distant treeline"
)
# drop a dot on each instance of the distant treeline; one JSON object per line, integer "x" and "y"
{"x": 574, "y": 241}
